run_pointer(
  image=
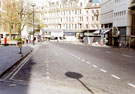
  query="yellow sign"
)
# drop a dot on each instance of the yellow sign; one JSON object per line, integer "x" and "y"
{"x": 20, "y": 45}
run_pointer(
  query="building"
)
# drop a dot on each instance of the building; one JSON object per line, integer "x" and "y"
{"x": 132, "y": 40}
{"x": 72, "y": 16}
{"x": 116, "y": 20}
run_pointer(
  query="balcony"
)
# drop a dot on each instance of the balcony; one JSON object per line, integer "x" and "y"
{"x": 132, "y": 5}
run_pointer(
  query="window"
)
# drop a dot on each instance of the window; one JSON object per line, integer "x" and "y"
{"x": 80, "y": 11}
{"x": 87, "y": 26}
{"x": 75, "y": 26}
{"x": 81, "y": 4}
{"x": 75, "y": 11}
{"x": 92, "y": 18}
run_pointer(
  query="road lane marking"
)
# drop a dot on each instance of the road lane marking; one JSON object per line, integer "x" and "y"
{"x": 83, "y": 60}
{"x": 132, "y": 85}
{"x": 108, "y": 52}
{"x": 127, "y": 56}
{"x": 88, "y": 62}
{"x": 74, "y": 56}
{"x": 47, "y": 73}
{"x": 116, "y": 77}
{"x": 78, "y": 58}
{"x": 103, "y": 70}
{"x": 18, "y": 68}
{"x": 48, "y": 77}
{"x": 95, "y": 66}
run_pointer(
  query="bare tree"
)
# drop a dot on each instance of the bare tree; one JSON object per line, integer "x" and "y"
{"x": 17, "y": 15}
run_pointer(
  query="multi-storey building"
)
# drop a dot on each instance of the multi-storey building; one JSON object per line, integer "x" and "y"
{"x": 106, "y": 13}
{"x": 115, "y": 14}
{"x": 132, "y": 39}
{"x": 71, "y": 16}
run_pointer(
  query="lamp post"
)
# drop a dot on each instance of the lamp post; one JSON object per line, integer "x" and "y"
{"x": 33, "y": 5}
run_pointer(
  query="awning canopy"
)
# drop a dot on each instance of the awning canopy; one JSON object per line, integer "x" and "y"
{"x": 107, "y": 31}
{"x": 96, "y": 32}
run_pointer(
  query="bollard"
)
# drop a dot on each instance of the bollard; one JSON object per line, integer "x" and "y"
{"x": 19, "y": 43}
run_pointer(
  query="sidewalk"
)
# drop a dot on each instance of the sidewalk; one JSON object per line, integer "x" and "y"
{"x": 9, "y": 55}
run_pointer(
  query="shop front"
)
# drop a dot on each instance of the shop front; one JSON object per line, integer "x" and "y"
{"x": 132, "y": 37}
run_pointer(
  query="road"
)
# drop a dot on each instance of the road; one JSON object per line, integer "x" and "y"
{"x": 61, "y": 68}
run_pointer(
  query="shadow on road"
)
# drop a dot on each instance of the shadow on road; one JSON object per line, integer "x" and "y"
{"x": 77, "y": 76}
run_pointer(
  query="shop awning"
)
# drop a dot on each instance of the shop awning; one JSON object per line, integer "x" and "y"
{"x": 107, "y": 31}
{"x": 96, "y": 32}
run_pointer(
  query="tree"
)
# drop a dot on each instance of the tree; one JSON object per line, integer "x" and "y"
{"x": 15, "y": 16}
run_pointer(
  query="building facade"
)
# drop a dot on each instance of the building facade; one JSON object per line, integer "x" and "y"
{"x": 115, "y": 14}
{"x": 71, "y": 16}
{"x": 132, "y": 39}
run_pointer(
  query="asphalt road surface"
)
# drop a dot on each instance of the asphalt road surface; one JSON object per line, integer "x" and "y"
{"x": 60, "y": 68}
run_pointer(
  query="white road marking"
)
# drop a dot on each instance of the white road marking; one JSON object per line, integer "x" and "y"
{"x": 17, "y": 80}
{"x": 47, "y": 73}
{"x": 75, "y": 56}
{"x": 88, "y": 62}
{"x": 132, "y": 85}
{"x": 127, "y": 56}
{"x": 47, "y": 77}
{"x": 17, "y": 69}
{"x": 95, "y": 66}
{"x": 103, "y": 70}
{"x": 108, "y": 52}
{"x": 83, "y": 60}
{"x": 116, "y": 77}
{"x": 78, "y": 58}
{"x": 12, "y": 85}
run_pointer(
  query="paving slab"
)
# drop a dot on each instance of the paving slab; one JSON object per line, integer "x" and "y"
{"x": 9, "y": 55}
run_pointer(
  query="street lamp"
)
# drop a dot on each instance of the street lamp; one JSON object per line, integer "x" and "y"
{"x": 33, "y": 5}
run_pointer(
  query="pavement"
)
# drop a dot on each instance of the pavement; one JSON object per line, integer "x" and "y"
{"x": 9, "y": 55}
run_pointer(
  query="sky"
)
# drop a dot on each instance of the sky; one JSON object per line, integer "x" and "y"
{"x": 42, "y": 2}
{"x": 97, "y": 0}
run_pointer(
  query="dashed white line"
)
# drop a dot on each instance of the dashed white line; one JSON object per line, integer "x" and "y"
{"x": 47, "y": 73}
{"x": 83, "y": 60}
{"x": 78, "y": 58}
{"x": 132, "y": 85}
{"x": 116, "y": 77}
{"x": 103, "y": 70}
{"x": 88, "y": 62}
{"x": 47, "y": 77}
{"x": 127, "y": 56}
{"x": 108, "y": 52}
{"x": 95, "y": 66}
